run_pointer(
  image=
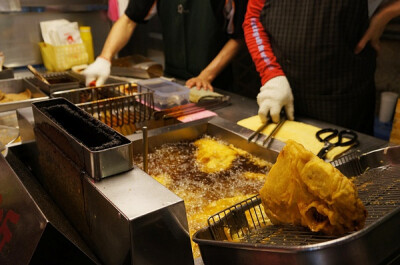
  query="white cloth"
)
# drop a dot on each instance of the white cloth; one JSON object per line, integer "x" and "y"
{"x": 98, "y": 71}
{"x": 274, "y": 95}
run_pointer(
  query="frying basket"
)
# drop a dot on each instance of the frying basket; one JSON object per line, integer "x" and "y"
{"x": 120, "y": 106}
{"x": 246, "y": 222}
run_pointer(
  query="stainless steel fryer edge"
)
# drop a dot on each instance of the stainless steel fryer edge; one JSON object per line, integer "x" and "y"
{"x": 98, "y": 164}
{"x": 215, "y": 126}
{"x": 14, "y": 105}
{"x": 375, "y": 244}
{"x": 366, "y": 246}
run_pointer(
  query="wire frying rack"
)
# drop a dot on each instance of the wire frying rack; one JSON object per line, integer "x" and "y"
{"x": 120, "y": 106}
{"x": 246, "y": 222}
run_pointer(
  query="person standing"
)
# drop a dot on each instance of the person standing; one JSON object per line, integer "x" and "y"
{"x": 200, "y": 37}
{"x": 317, "y": 58}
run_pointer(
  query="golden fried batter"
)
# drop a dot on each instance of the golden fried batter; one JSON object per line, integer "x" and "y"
{"x": 214, "y": 156}
{"x": 302, "y": 189}
{"x": 207, "y": 187}
{"x": 9, "y": 97}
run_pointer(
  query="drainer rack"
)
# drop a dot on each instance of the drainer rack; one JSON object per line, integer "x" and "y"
{"x": 242, "y": 234}
{"x": 378, "y": 188}
{"x": 120, "y": 106}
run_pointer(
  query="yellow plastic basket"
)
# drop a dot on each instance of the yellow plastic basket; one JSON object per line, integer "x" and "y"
{"x": 61, "y": 58}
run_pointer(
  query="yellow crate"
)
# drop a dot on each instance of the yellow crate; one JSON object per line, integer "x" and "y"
{"x": 61, "y": 58}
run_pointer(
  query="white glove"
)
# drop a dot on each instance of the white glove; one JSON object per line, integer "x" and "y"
{"x": 98, "y": 71}
{"x": 275, "y": 94}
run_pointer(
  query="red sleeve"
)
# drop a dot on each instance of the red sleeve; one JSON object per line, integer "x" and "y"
{"x": 258, "y": 42}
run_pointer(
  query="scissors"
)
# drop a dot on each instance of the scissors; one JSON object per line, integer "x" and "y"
{"x": 344, "y": 138}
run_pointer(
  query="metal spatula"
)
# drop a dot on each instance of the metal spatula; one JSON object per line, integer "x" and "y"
{"x": 38, "y": 75}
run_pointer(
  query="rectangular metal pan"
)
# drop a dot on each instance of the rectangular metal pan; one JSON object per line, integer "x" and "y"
{"x": 58, "y": 82}
{"x": 18, "y": 86}
{"x": 377, "y": 243}
{"x": 61, "y": 81}
{"x": 136, "y": 66}
{"x": 92, "y": 145}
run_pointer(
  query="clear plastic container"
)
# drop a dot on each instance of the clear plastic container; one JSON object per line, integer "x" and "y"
{"x": 167, "y": 94}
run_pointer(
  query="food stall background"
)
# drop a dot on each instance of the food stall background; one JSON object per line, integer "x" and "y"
{"x": 20, "y": 34}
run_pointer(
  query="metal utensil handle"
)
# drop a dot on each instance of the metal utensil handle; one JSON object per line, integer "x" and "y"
{"x": 145, "y": 149}
{"x": 279, "y": 125}
{"x": 259, "y": 130}
{"x": 37, "y": 74}
{"x": 324, "y": 150}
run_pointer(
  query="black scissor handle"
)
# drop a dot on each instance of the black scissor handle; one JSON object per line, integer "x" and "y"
{"x": 350, "y": 135}
{"x": 332, "y": 133}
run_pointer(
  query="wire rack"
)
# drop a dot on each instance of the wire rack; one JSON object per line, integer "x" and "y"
{"x": 349, "y": 164}
{"x": 120, "y": 106}
{"x": 246, "y": 222}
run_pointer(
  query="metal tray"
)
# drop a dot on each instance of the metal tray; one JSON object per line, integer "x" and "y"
{"x": 92, "y": 145}
{"x": 377, "y": 243}
{"x": 58, "y": 81}
{"x": 136, "y": 66}
{"x": 61, "y": 81}
{"x": 82, "y": 79}
{"x": 18, "y": 86}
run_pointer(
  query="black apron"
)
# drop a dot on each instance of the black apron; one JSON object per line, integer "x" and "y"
{"x": 314, "y": 42}
{"x": 193, "y": 34}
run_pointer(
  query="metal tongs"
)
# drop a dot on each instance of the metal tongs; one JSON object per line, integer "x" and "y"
{"x": 263, "y": 126}
{"x": 38, "y": 75}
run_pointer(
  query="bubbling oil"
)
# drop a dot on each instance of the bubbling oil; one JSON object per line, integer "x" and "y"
{"x": 176, "y": 167}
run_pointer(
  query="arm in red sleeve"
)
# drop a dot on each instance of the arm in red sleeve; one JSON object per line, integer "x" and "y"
{"x": 258, "y": 42}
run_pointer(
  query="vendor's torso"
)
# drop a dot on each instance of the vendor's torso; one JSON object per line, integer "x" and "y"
{"x": 193, "y": 33}
{"x": 314, "y": 42}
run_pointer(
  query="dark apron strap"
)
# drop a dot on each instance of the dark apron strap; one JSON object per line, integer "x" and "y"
{"x": 313, "y": 41}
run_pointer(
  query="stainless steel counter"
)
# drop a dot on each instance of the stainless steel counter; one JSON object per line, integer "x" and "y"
{"x": 240, "y": 108}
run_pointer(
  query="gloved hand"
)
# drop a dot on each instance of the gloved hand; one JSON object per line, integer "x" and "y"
{"x": 275, "y": 94}
{"x": 98, "y": 71}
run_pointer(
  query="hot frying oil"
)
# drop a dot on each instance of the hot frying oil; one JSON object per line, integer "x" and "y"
{"x": 176, "y": 166}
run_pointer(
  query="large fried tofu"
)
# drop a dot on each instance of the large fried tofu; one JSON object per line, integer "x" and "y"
{"x": 302, "y": 189}
{"x": 214, "y": 156}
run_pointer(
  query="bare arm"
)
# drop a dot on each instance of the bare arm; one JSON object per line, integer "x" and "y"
{"x": 227, "y": 53}
{"x": 377, "y": 26}
{"x": 118, "y": 37}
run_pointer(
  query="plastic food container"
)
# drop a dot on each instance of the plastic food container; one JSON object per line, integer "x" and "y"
{"x": 167, "y": 94}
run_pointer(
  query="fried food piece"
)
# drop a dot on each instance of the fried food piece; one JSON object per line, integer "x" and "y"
{"x": 214, "y": 156}
{"x": 302, "y": 189}
{"x": 9, "y": 97}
